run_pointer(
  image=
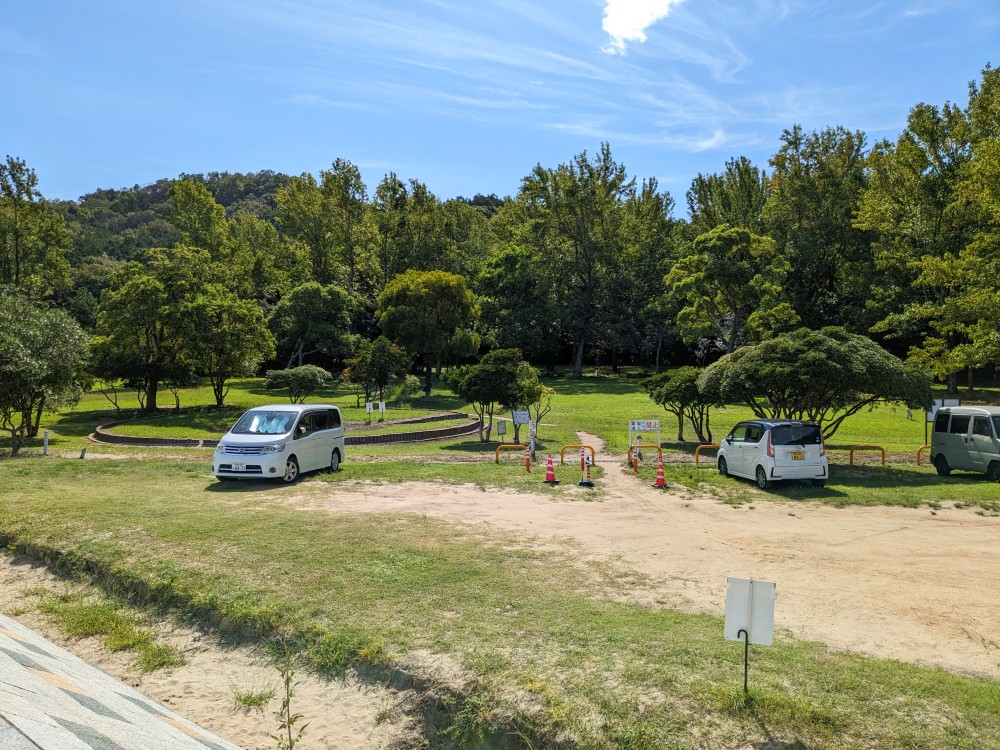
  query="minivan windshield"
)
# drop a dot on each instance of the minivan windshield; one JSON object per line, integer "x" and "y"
{"x": 796, "y": 434}
{"x": 264, "y": 423}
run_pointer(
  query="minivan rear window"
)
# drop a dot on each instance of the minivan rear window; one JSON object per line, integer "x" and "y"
{"x": 796, "y": 434}
{"x": 941, "y": 421}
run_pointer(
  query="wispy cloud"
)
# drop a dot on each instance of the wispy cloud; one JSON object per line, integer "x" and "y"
{"x": 627, "y": 20}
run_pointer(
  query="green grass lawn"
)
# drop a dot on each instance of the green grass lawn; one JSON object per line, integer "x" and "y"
{"x": 547, "y": 652}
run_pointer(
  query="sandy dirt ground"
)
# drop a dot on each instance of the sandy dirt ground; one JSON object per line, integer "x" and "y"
{"x": 921, "y": 586}
{"x": 918, "y": 585}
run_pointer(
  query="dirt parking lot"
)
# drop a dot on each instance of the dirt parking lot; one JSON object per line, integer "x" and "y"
{"x": 919, "y": 585}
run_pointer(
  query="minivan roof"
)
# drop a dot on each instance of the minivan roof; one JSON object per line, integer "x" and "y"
{"x": 780, "y": 422}
{"x": 291, "y": 407}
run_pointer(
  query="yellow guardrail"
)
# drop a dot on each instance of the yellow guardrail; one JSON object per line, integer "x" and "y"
{"x": 700, "y": 448}
{"x": 867, "y": 448}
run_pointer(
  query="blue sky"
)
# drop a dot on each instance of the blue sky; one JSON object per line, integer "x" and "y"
{"x": 464, "y": 96}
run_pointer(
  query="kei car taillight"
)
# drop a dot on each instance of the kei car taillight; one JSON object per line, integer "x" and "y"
{"x": 770, "y": 447}
{"x": 822, "y": 447}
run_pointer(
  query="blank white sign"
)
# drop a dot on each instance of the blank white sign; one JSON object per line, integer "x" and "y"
{"x": 750, "y": 607}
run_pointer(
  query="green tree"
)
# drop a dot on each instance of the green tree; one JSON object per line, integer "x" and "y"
{"x": 501, "y": 378}
{"x": 913, "y": 204}
{"x": 200, "y": 219}
{"x": 677, "y": 392}
{"x": 375, "y": 364}
{"x": 301, "y": 382}
{"x": 232, "y": 338}
{"x": 730, "y": 287}
{"x": 42, "y": 357}
{"x": 312, "y": 319}
{"x": 143, "y": 336}
{"x": 422, "y": 310}
{"x": 734, "y": 198}
{"x": 34, "y": 241}
{"x": 815, "y": 187}
{"x": 577, "y": 210}
{"x": 825, "y": 376}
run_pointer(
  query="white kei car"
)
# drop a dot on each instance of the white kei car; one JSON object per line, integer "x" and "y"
{"x": 775, "y": 450}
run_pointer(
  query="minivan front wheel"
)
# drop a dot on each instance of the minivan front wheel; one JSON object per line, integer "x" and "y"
{"x": 723, "y": 467}
{"x": 941, "y": 464}
{"x": 762, "y": 478}
{"x": 993, "y": 472}
{"x": 335, "y": 461}
{"x": 291, "y": 470}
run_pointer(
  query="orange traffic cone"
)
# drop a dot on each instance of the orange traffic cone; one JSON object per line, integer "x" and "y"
{"x": 550, "y": 473}
{"x": 585, "y": 479}
{"x": 582, "y": 453}
{"x": 661, "y": 482}
{"x": 527, "y": 460}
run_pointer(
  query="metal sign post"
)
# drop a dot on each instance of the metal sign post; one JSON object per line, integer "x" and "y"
{"x": 749, "y": 616}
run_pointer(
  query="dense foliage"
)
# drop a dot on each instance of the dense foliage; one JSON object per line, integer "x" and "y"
{"x": 223, "y": 274}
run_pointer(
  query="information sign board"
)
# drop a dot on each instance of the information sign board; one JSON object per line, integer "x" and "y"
{"x": 521, "y": 417}
{"x": 750, "y": 607}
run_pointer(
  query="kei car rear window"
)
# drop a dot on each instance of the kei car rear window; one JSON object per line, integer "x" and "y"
{"x": 796, "y": 434}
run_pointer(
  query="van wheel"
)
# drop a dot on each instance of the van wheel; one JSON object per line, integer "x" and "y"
{"x": 993, "y": 472}
{"x": 291, "y": 470}
{"x": 335, "y": 461}
{"x": 723, "y": 467}
{"x": 941, "y": 464}
{"x": 762, "y": 478}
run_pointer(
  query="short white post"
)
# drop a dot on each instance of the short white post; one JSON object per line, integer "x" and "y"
{"x": 45, "y": 443}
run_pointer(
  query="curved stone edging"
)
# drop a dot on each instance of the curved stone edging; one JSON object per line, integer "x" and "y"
{"x": 103, "y": 434}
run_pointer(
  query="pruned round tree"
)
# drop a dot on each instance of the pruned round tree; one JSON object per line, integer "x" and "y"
{"x": 677, "y": 392}
{"x": 501, "y": 377}
{"x": 825, "y": 376}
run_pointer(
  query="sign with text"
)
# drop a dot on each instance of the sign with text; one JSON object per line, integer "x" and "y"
{"x": 521, "y": 417}
{"x": 644, "y": 425}
{"x": 750, "y": 607}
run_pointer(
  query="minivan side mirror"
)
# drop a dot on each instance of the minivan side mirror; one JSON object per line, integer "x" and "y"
{"x": 729, "y": 439}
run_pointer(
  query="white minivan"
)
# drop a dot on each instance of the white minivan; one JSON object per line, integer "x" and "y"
{"x": 281, "y": 441}
{"x": 967, "y": 437}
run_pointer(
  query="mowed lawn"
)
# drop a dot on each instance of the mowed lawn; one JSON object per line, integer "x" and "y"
{"x": 549, "y": 655}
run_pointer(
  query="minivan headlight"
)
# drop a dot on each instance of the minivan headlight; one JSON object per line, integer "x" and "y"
{"x": 220, "y": 448}
{"x": 269, "y": 449}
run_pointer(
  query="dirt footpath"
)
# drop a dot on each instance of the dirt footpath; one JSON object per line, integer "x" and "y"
{"x": 916, "y": 585}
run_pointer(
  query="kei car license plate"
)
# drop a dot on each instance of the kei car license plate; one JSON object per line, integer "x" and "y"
{"x": 798, "y": 455}
{"x": 239, "y": 467}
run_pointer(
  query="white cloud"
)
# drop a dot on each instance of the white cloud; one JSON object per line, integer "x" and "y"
{"x": 627, "y": 20}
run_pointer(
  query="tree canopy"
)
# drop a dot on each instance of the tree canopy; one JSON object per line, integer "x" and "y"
{"x": 825, "y": 376}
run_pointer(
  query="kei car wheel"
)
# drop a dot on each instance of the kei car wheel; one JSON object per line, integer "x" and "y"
{"x": 335, "y": 461}
{"x": 761, "y": 476}
{"x": 291, "y": 470}
{"x": 993, "y": 472}
{"x": 941, "y": 464}
{"x": 723, "y": 467}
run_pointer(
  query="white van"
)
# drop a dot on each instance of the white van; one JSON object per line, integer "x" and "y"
{"x": 967, "y": 437}
{"x": 281, "y": 441}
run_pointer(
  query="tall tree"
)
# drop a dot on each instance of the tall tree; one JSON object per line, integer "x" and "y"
{"x": 231, "y": 339}
{"x": 911, "y": 202}
{"x": 730, "y": 287}
{"x": 816, "y": 184}
{"x": 313, "y": 319}
{"x": 422, "y": 311}
{"x": 143, "y": 334}
{"x": 577, "y": 209}
{"x": 34, "y": 241}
